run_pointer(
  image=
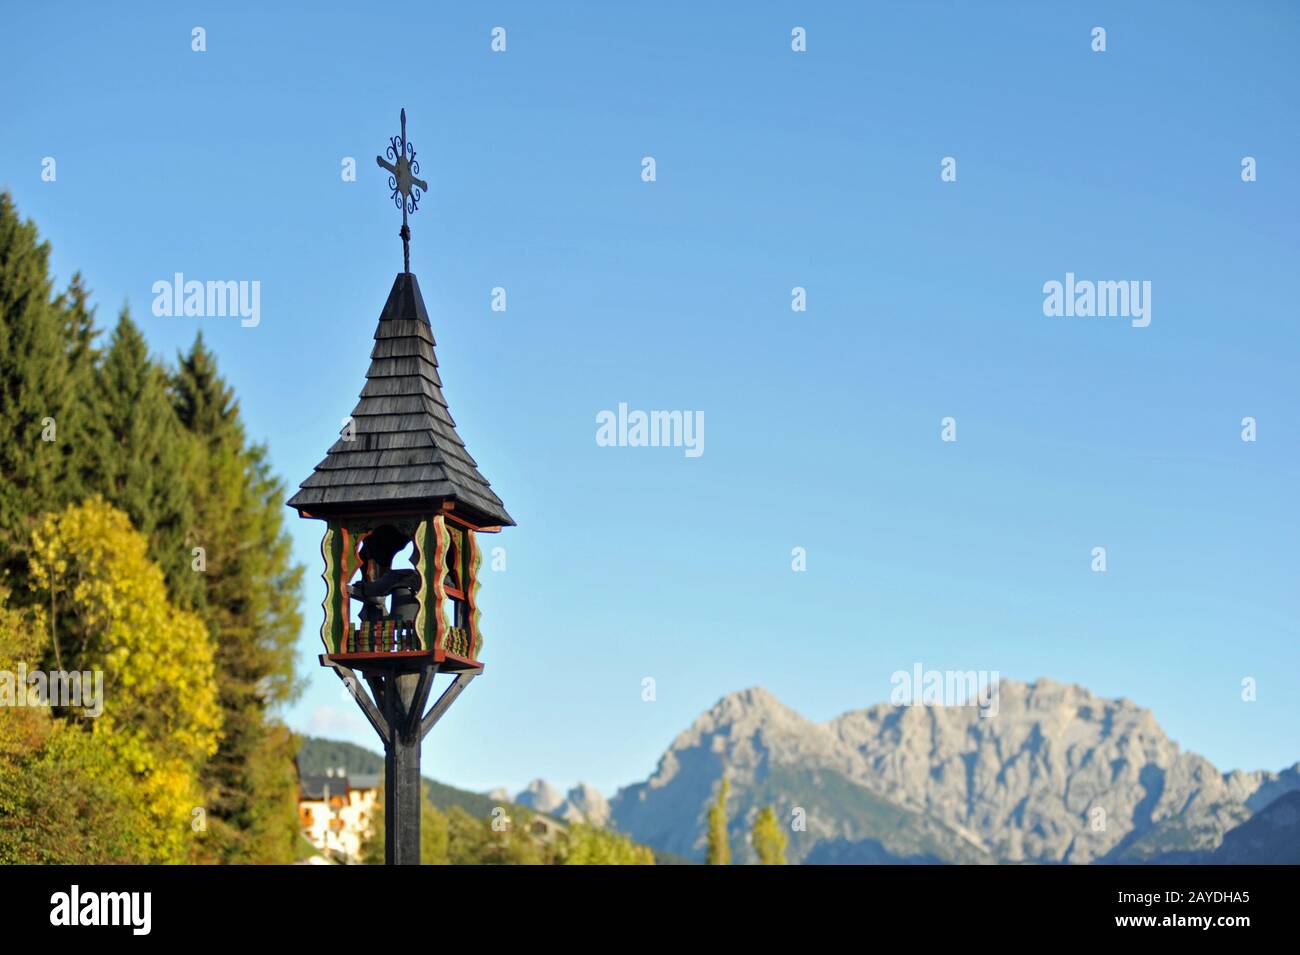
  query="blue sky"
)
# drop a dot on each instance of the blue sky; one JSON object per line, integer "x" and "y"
{"x": 774, "y": 170}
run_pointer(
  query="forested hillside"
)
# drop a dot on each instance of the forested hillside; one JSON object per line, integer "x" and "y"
{"x": 141, "y": 536}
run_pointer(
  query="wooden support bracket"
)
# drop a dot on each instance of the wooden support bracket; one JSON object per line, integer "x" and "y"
{"x": 359, "y": 694}
{"x": 448, "y": 697}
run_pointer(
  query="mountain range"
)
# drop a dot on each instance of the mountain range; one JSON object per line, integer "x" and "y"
{"x": 1058, "y": 775}
{"x": 582, "y": 803}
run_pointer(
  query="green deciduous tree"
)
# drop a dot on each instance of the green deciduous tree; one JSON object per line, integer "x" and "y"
{"x": 159, "y": 718}
{"x": 64, "y": 796}
{"x": 589, "y": 845}
{"x": 467, "y": 837}
{"x": 459, "y": 837}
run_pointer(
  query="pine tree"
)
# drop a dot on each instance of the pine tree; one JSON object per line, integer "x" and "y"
{"x": 78, "y": 323}
{"x": 35, "y": 393}
{"x": 76, "y": 427}
{"x": 768, "y": 839}
{"x": 719, "y": 849}
{"x": 144, "y": 456}
{"x": 250, "y": 606}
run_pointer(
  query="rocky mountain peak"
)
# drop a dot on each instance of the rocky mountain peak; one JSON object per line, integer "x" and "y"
{"x": 582, "y": 803}
{"x": 540, "y": 796}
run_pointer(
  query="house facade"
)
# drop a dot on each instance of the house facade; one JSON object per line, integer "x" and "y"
{"x": 335, "y": 811}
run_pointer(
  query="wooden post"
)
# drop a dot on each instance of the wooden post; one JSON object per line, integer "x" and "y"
{"x": 400, "y": 686}
{"x": 402, "y": 770}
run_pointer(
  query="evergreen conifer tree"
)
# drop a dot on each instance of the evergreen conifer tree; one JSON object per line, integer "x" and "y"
{"x": 143, "y": 456}
{"x": 250, "y": 606}
{"x": 35, "y": 395}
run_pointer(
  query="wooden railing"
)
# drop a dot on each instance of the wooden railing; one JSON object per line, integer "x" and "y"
{"x": 457, "y": 642}
{"x": 391, "y": 636}
{"x": 381, "y": 636}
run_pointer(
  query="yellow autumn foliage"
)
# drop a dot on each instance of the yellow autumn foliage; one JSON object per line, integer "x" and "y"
{"x": 22, "y": 729}
{"x": 160, "y": 717}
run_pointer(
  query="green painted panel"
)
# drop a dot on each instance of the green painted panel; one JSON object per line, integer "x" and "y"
{"x": 334, "y": 625}
{"x": 475, "y": 562}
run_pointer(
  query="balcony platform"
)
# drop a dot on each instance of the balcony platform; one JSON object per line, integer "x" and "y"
{"x": 399, "y": 660}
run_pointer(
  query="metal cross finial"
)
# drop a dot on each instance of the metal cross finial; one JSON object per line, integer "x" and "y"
{"x": 403, "y": 170}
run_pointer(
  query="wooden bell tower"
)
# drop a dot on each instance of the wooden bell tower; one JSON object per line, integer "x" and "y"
{"x": 399, "y": 480}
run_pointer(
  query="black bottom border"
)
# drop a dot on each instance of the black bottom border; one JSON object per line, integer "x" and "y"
{"x": 917, "y": 904}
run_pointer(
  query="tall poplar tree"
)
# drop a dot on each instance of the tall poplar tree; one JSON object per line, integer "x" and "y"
{"x": 768, "y": 839}
{"x": 719, "y": 848}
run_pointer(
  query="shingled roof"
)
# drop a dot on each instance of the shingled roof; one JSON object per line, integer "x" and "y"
{"x": 404, "y": 452}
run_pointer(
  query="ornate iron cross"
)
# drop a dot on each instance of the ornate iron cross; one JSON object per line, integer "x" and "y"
{"x": 403, "y": 172}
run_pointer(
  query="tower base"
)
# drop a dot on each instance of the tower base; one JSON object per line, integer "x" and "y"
{"x": 399, "y": 687}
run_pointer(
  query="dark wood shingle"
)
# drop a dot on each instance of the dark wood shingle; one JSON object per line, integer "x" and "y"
{"x": 404, "y": 449}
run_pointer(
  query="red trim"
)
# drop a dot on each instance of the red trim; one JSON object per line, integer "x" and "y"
{"x": 382, "y": 655}
{"x": 457, "y": 658}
